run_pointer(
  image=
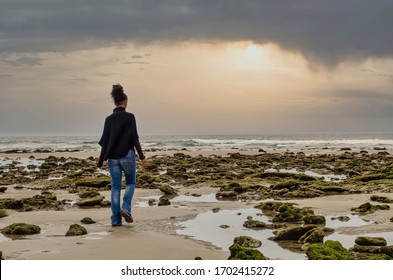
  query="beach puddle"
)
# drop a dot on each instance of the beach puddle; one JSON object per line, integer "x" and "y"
{"x": 222, "y": 227}
{"x": 27, "y": 164}
{"x": 206, "y": 227}
{"x": 97, "y": 235}
{"x": 204, "y": 198}
{"x": 324, "y": 177}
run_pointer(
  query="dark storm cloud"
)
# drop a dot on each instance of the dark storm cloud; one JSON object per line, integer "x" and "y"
{"x": 325, "y": 31}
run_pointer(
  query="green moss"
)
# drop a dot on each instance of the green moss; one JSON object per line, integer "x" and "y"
{"x": 330, "y": 250}
{"x": 243, "y": 253}
{"x": 75, "y": 230}
{"x": 3, "y": 213}
{"x": 382, "y": 257}
{"x": 21, "y": 229}
{"x": 288, "y": 213}
{"x": 98, "y": 182}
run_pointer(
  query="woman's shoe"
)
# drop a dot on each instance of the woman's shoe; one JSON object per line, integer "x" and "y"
{"x": 127, "y": 216}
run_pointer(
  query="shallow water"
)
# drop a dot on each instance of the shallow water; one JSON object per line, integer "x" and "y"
{"x": 178, "y": 199}
{"x": 206, "y": 227}
{"x": 325, "y": 177}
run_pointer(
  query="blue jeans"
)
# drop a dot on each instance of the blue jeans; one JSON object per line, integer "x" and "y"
{"x": 116, "y": 167}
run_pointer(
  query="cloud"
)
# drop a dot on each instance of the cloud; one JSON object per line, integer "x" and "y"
{"x": 30, "y": 60}
{"x": 323, "y": 31}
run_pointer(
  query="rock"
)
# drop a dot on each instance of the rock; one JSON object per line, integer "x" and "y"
{"x": 243, "y": 253}
{"x": 292, "y": 233}
{"x": 21, "y": 229}
{"x": 227, "y": 195}
{"x": 164, "y": 202}
{"x": 198, "y": 258}
{"x": 341, "y": 218}
{"x": 167, "y": 189}
{"x": 391, "y": 219}
{"x": 90, "y": 201}
{"x": 88, "y": 194}
{"x": 289, "y": 184}
{"x": 224, "y": 226}
{"x": 261, "y": 151}
{"x": 3, "y": 189}
{"x": 387, "y": 250}
{"x": 330, "y": 250}
{"x": 216, "y": 210}
{"x": 315, "y": 235}
{"x": 98, "y": 182}
{"x": 3, "y": 213}
{"x": 75, "y": 230}
{"x": 379, "y": 148}
{"x": 370, "y": 241}
{"x": 346, "y": 149}
{"x": 87, "y": 221}
{"x": 366, "y": 249}
{"x": 362, "y": 208}
{"x": 254, "y": 224}
{"x": 314, "y": 219}
{"x": 247, "y": 241}
{"x": 371, "y": 177}
{"x": 382, "y": 257}
{"x": 382, "y": 199}
{"x": 288, "y": 214}
{"x": 152, "y": 202}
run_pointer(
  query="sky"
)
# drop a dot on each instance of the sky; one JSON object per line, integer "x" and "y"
{"x": 194, "y": 67}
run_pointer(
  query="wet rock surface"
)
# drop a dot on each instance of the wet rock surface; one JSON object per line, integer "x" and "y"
{"x": 76, "y": 230}
{"x": 21, "y": 229}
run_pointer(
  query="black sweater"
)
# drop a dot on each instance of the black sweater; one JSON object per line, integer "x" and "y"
{"x": 119, "y": 136}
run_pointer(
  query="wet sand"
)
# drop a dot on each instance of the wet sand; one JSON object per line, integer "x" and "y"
{"x": 154, "y": 233}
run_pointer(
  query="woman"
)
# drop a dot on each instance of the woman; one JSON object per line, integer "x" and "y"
{"x": 118, "y": 144}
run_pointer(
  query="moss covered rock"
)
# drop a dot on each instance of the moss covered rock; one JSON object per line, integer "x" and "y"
{"x": 254, "y": 224}
{"x": 370, "y": 241}
{"x": 314, "y": 219}
{"x": 21, "y": 229}
{"x": 382, "y": 199}
{"x": 315, "y": 235}
{"x": 3, "y": 213}
{"x": 164, "y": 201}
{"x": 87, "y": 221}
{"x": 292, "y": 233}
{"x": 93, "y": 201}
{"x": 288, "y": 214}
{"x": 76, "y": 230}
{"x": 387, "y": 250}
{"x": 166, "y": 189}
{"x": 97, "y": 182}
{"x": 243, "y": 253}
{"x": 247, "y": 241}
{"x": 330, "y": 250}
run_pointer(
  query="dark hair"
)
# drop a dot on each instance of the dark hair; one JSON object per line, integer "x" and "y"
{"x": 118, "y": 94}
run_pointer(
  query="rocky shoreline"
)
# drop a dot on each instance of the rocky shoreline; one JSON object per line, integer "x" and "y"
{"x": 66, "y": 183}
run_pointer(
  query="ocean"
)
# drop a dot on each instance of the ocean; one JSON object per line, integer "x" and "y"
{"x": 279, "y": 142}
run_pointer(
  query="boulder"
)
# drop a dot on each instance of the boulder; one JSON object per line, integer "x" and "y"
{"x": 387, "y": 250}
{"x": 330, "y": 250}
{"x": 254, "y": 224}
{"x": 164, "y": 202}
{"x": 97, "y": 182}
{"x": 366, "y": 249}
{"x": 87, "y": 221}
{"x": 167, "y": 189}
{"x": 292, "y": 233}
{"x": 247, "y": 241}
{"x": 76, "y": 230}
{"x": 370, "y": 241}
{"x": 93, "y": 201}
{"x": 315, "y": 235}
{"x": 382, "y": 199}
{"x": 314, "y": 219}
{"x": 243, "y": 253}
{"x": 21, "y": 229}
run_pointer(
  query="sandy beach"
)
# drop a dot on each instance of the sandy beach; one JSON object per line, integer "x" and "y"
{"x": 157, "y": 230}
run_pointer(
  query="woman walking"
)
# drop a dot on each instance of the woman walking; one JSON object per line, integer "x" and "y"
{"x": 118, "y": 143}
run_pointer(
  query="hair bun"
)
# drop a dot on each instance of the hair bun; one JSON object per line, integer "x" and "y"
{"x": 118, "y": 94}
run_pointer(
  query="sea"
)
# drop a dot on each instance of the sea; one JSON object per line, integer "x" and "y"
{"x": 280, "y": 142}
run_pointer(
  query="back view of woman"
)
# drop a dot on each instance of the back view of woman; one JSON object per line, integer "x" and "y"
{"x": 118, "y": 143}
